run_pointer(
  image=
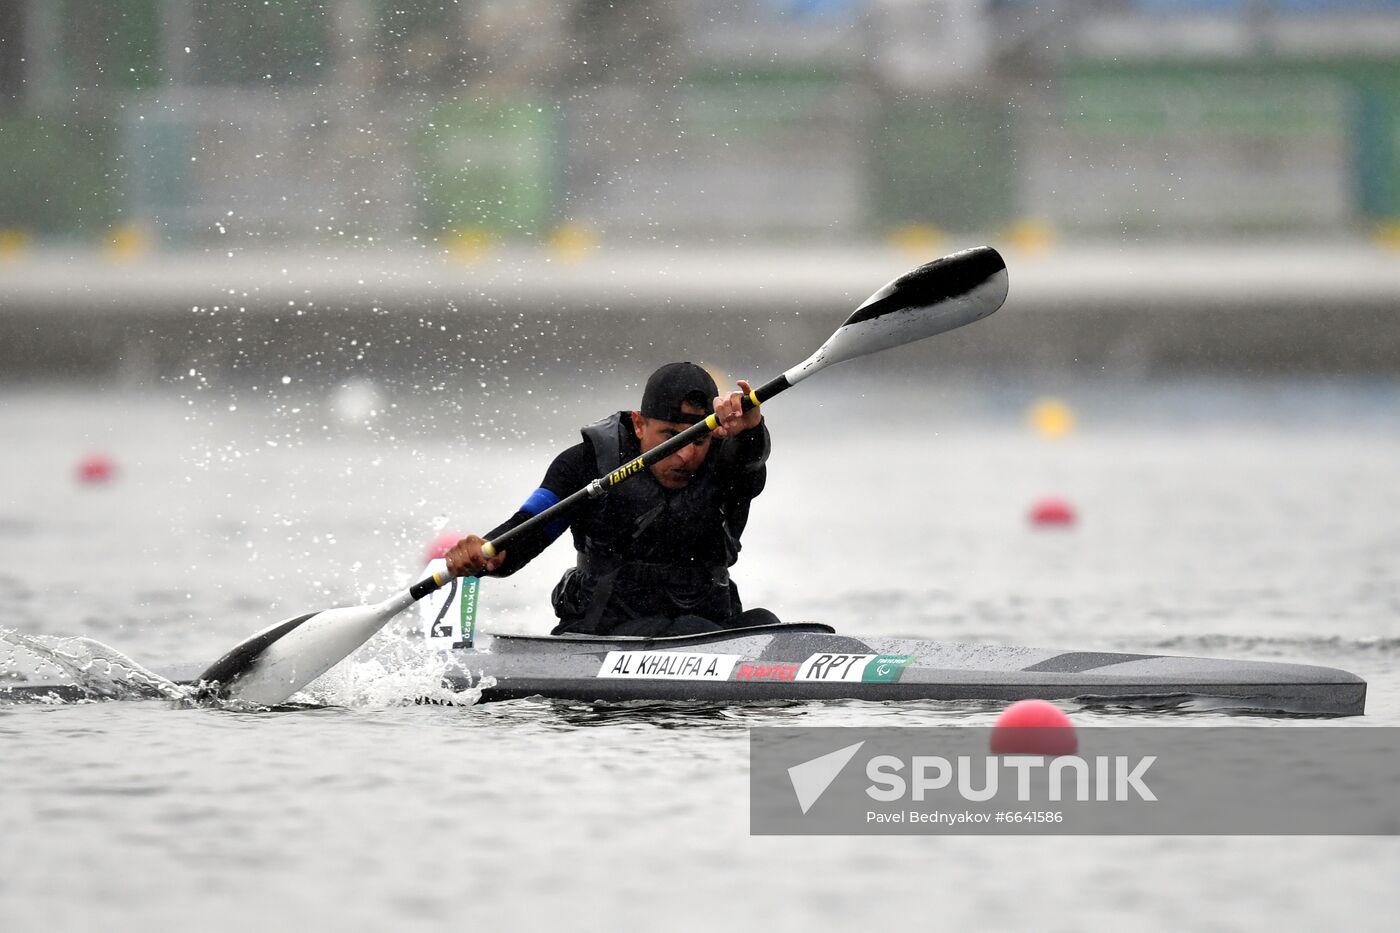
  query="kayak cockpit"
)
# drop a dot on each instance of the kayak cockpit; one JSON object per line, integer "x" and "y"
{"x": 533, "y": 643}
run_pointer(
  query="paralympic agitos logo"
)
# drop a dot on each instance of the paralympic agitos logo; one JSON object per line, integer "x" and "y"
{"x": 895, "y": 778}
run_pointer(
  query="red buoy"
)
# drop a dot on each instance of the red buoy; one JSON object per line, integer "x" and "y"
{"x": 1052, "y": 513}
{"x": 440, "y": 545}
{"x": 1033, "y": 727}
{"x": 96, "y": 468}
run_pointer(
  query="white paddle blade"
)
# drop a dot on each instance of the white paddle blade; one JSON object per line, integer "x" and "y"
{"x": 935, "y": 298}
{"x": 308, "y": 650}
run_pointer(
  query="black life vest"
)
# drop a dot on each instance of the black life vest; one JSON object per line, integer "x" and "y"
{"x": 647, "y": 550}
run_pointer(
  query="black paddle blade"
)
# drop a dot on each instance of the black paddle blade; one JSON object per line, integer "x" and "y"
{"x": 241, "y": 657}
{"x": 974, "y": 279}
{"x": 934, "y": 298}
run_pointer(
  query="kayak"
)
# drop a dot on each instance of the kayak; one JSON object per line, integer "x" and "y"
{"x": 810, "y": 661}
{"x": 804, "y": 661}
{"x": 790, "y": 662}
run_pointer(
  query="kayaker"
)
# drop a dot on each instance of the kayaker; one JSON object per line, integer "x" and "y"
{"x": 654, "y": 553}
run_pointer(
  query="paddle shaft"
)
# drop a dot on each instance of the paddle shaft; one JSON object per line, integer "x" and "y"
{"x": 601, "y": 485}
{"x": 939, "y": 296}
{"x": 948, "y": 284}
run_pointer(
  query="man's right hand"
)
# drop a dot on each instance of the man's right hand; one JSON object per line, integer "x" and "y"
{"x": 466, "y": 560}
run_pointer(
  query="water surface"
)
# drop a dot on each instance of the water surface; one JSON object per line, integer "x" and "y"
{"x": 1218, "y": 518}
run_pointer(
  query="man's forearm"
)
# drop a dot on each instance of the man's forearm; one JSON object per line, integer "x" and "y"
{"x": 751, "y": 448}
{"x": 522, "y": 550}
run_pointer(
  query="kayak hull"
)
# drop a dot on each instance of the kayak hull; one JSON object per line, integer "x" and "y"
{"x": 809, "y": 661}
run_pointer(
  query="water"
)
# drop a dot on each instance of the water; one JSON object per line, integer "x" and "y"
{"x": 1235, "y": 519}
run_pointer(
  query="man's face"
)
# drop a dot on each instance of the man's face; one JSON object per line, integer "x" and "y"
{"x": 677, "y": 470}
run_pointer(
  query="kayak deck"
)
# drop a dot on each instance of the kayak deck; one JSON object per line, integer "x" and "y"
{"x": 810, "y": 661}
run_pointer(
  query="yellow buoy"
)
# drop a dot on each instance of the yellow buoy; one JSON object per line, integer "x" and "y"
{"x": 128, "y": 242}
{"x": 1033, "y": 236}
{"x": 916, "y": 239}
{"x": 572, "y": 242}
{"x": 1050, "y": 417}
{"x": 13, "y": 244}
{"x": 721, "y": 380}
{"x": 470, "y": 244}
{"x": 1387, "y": 234}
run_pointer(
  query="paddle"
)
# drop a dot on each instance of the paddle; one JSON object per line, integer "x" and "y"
{"x": 939, "y": 296}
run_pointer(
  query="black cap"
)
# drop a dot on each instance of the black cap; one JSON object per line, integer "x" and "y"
{"x": 675, "y": 384}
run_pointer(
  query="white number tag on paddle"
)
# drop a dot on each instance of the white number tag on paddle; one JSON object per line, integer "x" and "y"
{"x": 449, "y": 615}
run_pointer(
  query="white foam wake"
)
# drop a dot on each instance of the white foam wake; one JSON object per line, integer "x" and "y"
{"x": 396, "y": 668}
{"x": 99, "y": 671}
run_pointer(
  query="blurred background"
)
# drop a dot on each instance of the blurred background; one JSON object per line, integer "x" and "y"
{"x": 293, "y": 290}
{"x": 1176, "y": 183}
{"x": 146, "y": 122}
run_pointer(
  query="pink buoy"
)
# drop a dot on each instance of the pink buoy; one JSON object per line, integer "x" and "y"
{"x": 1033, "y": 727}
{"x": 96, "y": 468}
{"x": 1052, "y": 513}
{"x": 440, "y": 545}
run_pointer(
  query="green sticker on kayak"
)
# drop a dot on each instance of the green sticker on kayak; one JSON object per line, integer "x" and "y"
{"x": 884, "y": 668}
{"x": 470, "y": 587}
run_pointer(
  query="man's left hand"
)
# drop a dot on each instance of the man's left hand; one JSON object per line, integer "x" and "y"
{"x": 729, "y": 412}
